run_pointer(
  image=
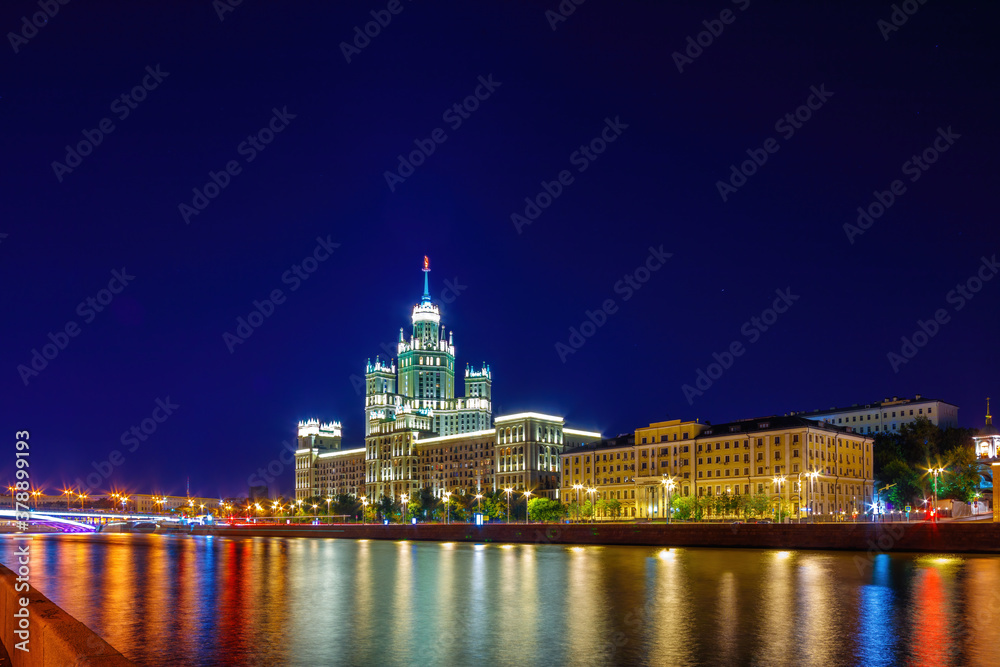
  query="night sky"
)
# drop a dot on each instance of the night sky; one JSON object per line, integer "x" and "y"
{"x": 644, "y": 128}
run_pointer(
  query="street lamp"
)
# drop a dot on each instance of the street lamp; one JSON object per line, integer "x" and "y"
{"x": 527, "y": 516}
{"x": 328, "y": 500}
{"x": 508, "y": 491}
{"x": 593, "y": 507}
{"x": 364, "y": 509}
{"x": 447, "y": 507}
{"x": 779, "y": 481}
{"x": 68, "y": 493}
{"x": 405, "y": 498}
{"x": 578, "y": 488}
{"x": 479, "y": 503}
{"x": 812, "y": 478}
{"x": 936, "y": 472}
{"x": 82, "y": 497}
{"x": 669, "y": 484}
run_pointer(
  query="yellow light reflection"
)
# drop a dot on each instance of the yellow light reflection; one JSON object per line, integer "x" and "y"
{"x": 666, "y": 554}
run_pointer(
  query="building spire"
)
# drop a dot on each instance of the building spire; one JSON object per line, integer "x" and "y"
{"x": 426, "y": 298}
{"x": 989, "y": 417}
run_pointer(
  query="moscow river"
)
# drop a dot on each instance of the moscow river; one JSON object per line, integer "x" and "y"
{"x": 183, "y": 600}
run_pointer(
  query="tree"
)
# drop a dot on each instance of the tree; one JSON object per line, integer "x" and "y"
{"x": 614, "y": 508}
{"x": 758, "y": 505}
{"x": 601, "y": 507}
{"x": 545, "y": 509}
{"x": 683, "y": 507}
{"x": 964, "y": 477}
{"x": 430, "y": 504}
{"x": 494, "y": 505}
{"x": 903, "y": 459}
{"x": 388, "y": 508}
{"x": 455, "y": 509}
{"x": 345, "y": 505}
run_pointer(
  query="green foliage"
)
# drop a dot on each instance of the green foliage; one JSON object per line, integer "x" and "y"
{"x": 758, "y": 505}
{"x": 454, "y": 509}
{"x": 346, "y": 504}
{"x": 494, "y": 505}
{"x": 546, "y": 509}
{"x": 388, "y": 508}
{"x": 904, "y": 458}
{"x": 684, "y": 507}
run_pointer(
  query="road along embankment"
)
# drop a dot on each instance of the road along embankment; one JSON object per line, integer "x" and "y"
{"x": 963, "y": 537}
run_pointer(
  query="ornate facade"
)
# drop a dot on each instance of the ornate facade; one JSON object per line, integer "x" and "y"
{"x": 418, "y": 433}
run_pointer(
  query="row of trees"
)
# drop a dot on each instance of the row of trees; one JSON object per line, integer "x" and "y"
{"x": 425, "y": 506}
{"x": 730, "y": 506}
{"x": 904, "y": 460}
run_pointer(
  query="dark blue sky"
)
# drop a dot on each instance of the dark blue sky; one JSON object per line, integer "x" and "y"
{"x": 342, "y": 126}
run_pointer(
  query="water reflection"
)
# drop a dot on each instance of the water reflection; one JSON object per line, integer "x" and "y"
{"x": 181, "y": 600}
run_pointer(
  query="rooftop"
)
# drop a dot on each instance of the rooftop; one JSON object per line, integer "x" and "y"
{"x": 771, "y": 424}
{"x": 885, "y": 402}
{"x": 617, "y": 442}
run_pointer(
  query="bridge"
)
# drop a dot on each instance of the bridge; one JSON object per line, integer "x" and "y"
{"x": 76, "y": 522}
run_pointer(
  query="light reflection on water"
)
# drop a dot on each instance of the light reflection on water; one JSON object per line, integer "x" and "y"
{"x": 182, "y": 600}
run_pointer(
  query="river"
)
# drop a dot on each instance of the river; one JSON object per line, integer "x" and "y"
{"x": 184, "y": 600}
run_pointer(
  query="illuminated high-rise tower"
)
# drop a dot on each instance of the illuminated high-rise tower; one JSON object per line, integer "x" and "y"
{"x": 415, "y": 394}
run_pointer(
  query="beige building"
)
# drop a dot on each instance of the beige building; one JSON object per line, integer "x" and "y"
{"x": 602, "y": 470}
{"x": 818, "y": 469}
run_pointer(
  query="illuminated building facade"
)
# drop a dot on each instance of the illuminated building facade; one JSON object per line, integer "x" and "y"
{"x": 819, "y": 469}
{"x": 602, "y": 470}
{"x": 889, "y": 415}
{"x": 987, "y": 441}
{"x": 419, "y": 434}
{"x": 322, "y": 468}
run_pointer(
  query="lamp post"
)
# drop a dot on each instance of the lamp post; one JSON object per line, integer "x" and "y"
{"x": 447, "y": 507}
{"x": 778, "y": 481}
{"x": 812, "y": 477}
{"x": 669, "y": 485}
{"x": 364, "y": 510}
{"x": 527, "y": 516}
{"x": 479, "y": 503}
{"x": 82, "y": 497}
{"x": 593, "y": 506}
{"x": 508, "y": 491}
{"x": 68, "y": 493}
{"x": 405, "y": 498}
{"x": 936, "y": 472}
{"x": 578, "y": 488}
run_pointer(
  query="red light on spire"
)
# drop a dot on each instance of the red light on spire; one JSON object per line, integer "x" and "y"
{"x": 427, "y": 263}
